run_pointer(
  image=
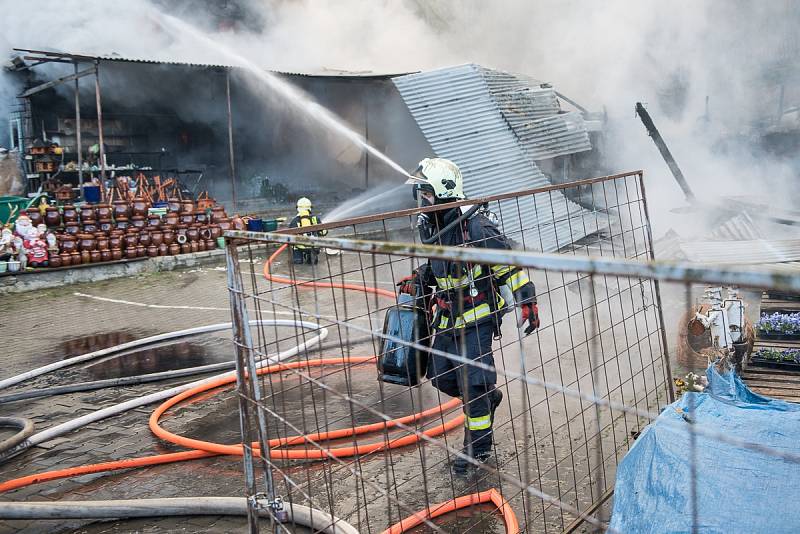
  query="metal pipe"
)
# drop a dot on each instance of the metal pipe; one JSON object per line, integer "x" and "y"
{"x": 78, "y": 129}
{"x": 661, "y": 270}
{"x": 665, "y": 153}
{"x": 316, "y": 520}
{"x": 99, "y": 121}
{"x": 230, "y": 136}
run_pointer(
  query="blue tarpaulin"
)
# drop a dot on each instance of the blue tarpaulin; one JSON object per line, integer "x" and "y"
{"x": 738, "y": 489}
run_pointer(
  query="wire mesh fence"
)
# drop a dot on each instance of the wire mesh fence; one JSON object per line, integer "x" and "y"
{"x": 383, "y": 457}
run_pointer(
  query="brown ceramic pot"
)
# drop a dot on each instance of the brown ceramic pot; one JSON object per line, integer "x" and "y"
{"x": 205, "y": 233}
{"x": 237, "y": 223}
{"x": 138, "y": 221}
{"x": 192, "y": 234}
{"x": 187, "y": 206}
{"x": 34, "y": 215}
{"x": 76, "y": 257}
{"x": 201, "y": 245}
{"x": 187, "y": 217}
{"x": 103, "y": 211}
{"x": 139, "y": 206}
{"x": 72, "y": 227}
{"x": 52, "y": 217}
{"x": 193, "y": 246}
{"x": 153, "y": 221}
{"x": 86, "y": 242}
{"x": 185, "y": 248}
{"x": 103, "y": 243}
{"x": 152, "y": 251}
{"x": 105, "y": 255}
{"x": 87, "y": 212}
{"x": 144, "y": 238}
{"x": 172, "y": 218}
{"x": 217, "y": 214}
{"x": 215, "y": 230}
{"x": 201, "y": 217}
{"x": 163, "y": 249}
{"x": 211, "y": 244}
{"x": 86, "y": 256}
{"x": 95, "y": 256}
{"x": 68, "y": 243}
{"x": 115, "y": 241}
{"x": 54, "y": 260}
{"x": 121, "y": 209}
{"x": 141, "y": 251}
{"x": 116, "y": 254}
{"x": 131, "y": 240}
{"x": 156, "y": 237}
{"x": 130, "y": 252}
{"x": 174, "y": 204}
{"x": 90, "y": 226}
{"x": 69, "y": 213}
{"x": 174, "y": 249}
{"x": 123, "y": 223}
{"x": 169, "y": 236}
{"x": 66, "y": 259}
{"x": 105, "y": 225}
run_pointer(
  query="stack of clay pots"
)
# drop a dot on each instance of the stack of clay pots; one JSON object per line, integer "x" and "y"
{"x": 127, "y": 230}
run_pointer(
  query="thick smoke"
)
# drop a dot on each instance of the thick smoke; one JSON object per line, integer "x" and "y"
{"x": 709, "y": 71}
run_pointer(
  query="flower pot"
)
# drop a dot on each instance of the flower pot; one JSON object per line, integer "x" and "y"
{"x": 86, "y": 242}
{"x": 185, "y": 248}
{"x": 201, "y": 245}
{"x": 215, "y": 230}
{"x": 3, "y": 266}
{"x": 141, "y": 251}
{"x": 90, "y": 226}
{"x": 105, "y": 225}
{"x": 116, "y": 254}
{"x": 72, "y": 227}
{"x": 187, "y": 217}
{"x": 131, "y": 240}
{"x": 156, "y": 237}
{"x": 130, "y": 253}
{"x": 66, "y": 259}
{"x": 95, "y": 256}
{"x": 115, "y": 241}
{"x": 201, "y": 217}
{"x": 174, "y": 204}
{"x": 144, "y": 239}
{"x": 105, "y": 255}
{"x": 103, "y": 243}
{"x": 174, "y": 249}
{"x": 211, "y": 244}
{"x": 163, "y": 249}
{"x": 192, "y": 234}
{"x": 68, "y": 243}
{"x": 52, "y": 217}
{"x": 76, "y": 257}
{"x": 86, "y": 256}
{"x": 187, "y": 206}
{"x": 13, "y": 266}
{"x": 224, "y": 224}
{"x": 152, "y": 251}
{"x": 122, "y": 223}
{"x": 169, "y": 237}
{"x": 153, "y": 221}
{"x": 218, "y": 214}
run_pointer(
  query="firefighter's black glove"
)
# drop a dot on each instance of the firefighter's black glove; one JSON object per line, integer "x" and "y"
{"x": 530, "y": 315}
{"x": 406, "y": 285}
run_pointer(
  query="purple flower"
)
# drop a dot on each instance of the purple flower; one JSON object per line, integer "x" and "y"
{"x": 779, "y": 323}
{"x": 777, "y": 355}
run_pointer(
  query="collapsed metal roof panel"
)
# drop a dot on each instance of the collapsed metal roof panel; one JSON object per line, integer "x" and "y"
{"x": 759, "y": 251}
{"x": 463, "y": 122}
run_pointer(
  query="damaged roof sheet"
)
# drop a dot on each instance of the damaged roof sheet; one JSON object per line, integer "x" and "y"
{"x": 462, "y": 121}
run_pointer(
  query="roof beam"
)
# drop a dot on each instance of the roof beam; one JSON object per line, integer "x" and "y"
{"x": 47, "y": 85}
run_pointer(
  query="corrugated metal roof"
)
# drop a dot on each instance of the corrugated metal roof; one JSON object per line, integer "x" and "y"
{"x": 462, "y": 121}
{"x": 740, "y": 227}
{"x": 743, "y": 252}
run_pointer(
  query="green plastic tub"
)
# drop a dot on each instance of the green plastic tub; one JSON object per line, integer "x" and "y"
{"x": 7, "y": 205}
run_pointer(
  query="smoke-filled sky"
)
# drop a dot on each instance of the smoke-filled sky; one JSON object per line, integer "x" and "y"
{"x": 606, "y": 55}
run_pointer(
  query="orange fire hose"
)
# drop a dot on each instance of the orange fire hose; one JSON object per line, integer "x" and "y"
{"x": 205, "y": 449}
{"x": 436, "y": 510}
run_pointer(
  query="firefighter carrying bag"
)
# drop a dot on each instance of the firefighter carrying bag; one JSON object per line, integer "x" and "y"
{"x": 398, "y": 363}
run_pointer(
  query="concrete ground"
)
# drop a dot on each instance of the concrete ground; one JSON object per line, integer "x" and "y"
{"x": 44, "y": 326}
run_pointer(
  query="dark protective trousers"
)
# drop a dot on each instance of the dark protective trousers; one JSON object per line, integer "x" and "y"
{"x": 471, "y": 383}
{"x": 305, "y": 255}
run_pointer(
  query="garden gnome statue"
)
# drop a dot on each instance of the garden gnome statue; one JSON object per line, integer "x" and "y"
{"x": 35, "y": 248}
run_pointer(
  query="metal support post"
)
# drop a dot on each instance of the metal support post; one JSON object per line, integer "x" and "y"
{"x": 100, "y": 122}
{"x": 78, "y": 129}
{"x": 230, "y": 136}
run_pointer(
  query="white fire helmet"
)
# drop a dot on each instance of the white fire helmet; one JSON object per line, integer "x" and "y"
{"x": 440, "y": 176}
{"x": 303, "y": 203}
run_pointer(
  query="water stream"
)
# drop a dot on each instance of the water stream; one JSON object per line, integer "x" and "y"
{"x": 292, "y": 94}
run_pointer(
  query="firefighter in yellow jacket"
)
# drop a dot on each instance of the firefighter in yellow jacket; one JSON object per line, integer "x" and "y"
{"x": 469, "y": 301}
{"x": 304, "y": 253}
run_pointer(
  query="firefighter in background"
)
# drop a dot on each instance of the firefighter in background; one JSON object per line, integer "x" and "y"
{"x": 468, "y": 302}
{"x": 304, "y": 253}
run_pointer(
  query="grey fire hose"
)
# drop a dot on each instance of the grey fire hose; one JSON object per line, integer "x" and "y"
{"x": 316, "y": 520}
{"x": 458, "y": 220}
{"x": 80, "y": 422}
{"x": 25, "y": 427}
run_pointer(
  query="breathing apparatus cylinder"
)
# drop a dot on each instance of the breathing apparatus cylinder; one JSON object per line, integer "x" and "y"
{"x": 399, "y": 363}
